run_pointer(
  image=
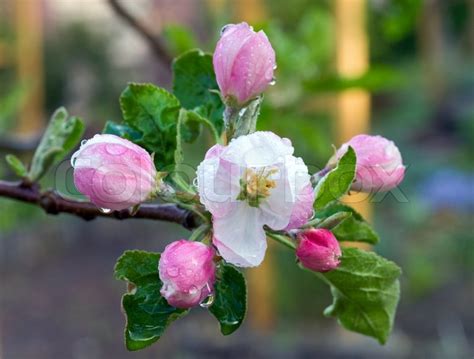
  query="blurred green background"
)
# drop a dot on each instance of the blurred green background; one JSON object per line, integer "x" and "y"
{"x": 58, "y": 296}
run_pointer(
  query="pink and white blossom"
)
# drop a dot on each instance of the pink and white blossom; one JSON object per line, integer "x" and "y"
{"x": 379, "y": 163}
{"x": 113, "y": 172}
{"x": 252, "y": 182}
{"x": 318, "y": 250}
{"x": 187, "y": 271}
{"x": 244, "y": 62}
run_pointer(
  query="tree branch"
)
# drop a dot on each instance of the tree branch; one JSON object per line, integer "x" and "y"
{"x": 155, "y": 44}
{"x": 53, "y": 203}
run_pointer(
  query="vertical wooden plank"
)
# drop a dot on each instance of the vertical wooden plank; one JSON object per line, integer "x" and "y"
{"x": 261, "y": 295}
{"x": 352, "y": 59}
{"x": 29, "y": 62}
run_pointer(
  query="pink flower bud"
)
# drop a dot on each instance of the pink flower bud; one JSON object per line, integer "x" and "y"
{"x": 113, "y": 172}
{"x": 379, "y": 163}
{"x": 318, "y": 250}
{"x": 244, "y": 62}
{"x": 187, "y": 271}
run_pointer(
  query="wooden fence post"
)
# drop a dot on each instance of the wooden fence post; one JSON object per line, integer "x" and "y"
{"x": 29, "y": 63}
{"x": 352, "y": 60}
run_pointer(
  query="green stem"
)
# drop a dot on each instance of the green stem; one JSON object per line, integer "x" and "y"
{"x": 199, "y": 232}
{"x": 282, "y": 239}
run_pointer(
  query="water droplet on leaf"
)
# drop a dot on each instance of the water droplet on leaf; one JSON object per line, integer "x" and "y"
{"x": 207, "y": 302}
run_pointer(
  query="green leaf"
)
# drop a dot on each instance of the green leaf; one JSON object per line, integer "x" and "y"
{"x": 124, "y": 131}
{"x": 230, "y": 304}
{"x": 147, "y": 312}
{"x": 353, "y": 228}
{"x": 16, "y": 165}
{"x": 337, "y": 182}
{"x": 153, "y": 112}
{"x": 61, "y": 136}
{"x": 194, "y": 83}
{"x": 365, "y": 291}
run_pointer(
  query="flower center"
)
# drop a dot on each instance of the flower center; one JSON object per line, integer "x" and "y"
{"x": 255, "y": 185}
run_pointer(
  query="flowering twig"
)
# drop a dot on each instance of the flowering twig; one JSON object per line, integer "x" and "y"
{"x": 54, "y": 203}
{"x": 155, "y": 44}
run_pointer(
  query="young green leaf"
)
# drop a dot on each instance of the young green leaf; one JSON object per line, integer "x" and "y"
{"x": 366, "y": 291}
{"x": 153, "y": 112}
{"x": 61, "y": 136}
{"x": 353, "y": 228}
{"x": 337, "y": 182}
{"x": 194, "y": 84}
{"x": 147, "y": 312}
{"x": 230, "y": 304}
{"x": 16, "y": 165}
{"x": 121, "y": 130}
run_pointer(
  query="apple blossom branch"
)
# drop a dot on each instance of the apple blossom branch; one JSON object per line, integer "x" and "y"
{"x": 53, "y": 203}
{"x": 155, "y": 43}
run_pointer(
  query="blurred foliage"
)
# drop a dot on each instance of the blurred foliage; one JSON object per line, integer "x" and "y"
{"x": 80, "y": 70}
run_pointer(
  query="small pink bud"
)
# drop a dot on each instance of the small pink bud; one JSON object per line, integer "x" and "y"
{"x": 187, "y": 271}
{"x": 113, "y": 172}
{"x": 379, "y": 163}
{"x": 244, "y": 62}
{"x": 318, "y": 250}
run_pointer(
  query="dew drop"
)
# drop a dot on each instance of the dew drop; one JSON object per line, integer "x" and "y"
{"x": 225, "y": 28}
{"x": 193, "y": 290}
{"x": 195, "y": 182}
{"x": 172, "y": 271}
{"x": 115, "y": 150}
{"x": 208, "y": 301}
{"x": 272, "y": 82}
{"x": 83, "y": 142}
{"x": 105, "y": 210}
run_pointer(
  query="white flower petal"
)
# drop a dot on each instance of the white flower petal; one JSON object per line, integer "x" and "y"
{"x": 257, "y": 149}
{"x": 240, "y": 237}
{"x": 218, "y": 185}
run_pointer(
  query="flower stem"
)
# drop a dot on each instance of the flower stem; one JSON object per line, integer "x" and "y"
{"x": 282, "y": 239}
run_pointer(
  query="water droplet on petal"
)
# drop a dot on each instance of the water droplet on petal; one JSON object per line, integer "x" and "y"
{"x": 105, "y": 210}
{"x": 225, "y": 28}
{"x": 272, "y": 82}
{"x": 195, "y": 182}
{"x": 83, "y": 142}
{"x": 193, "y": 290}
{"x": 172, "y": 271}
